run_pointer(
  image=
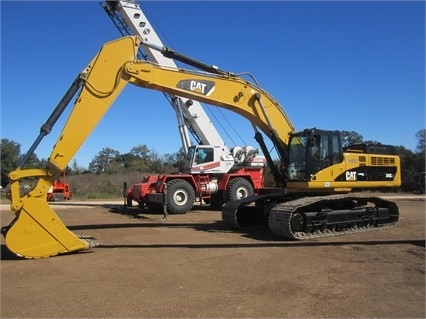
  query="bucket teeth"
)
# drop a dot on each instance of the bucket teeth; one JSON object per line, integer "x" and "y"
{"x": 90, "y": 240}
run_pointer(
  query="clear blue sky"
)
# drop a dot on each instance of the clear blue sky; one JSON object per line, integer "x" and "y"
{"x": 345, "y": 65}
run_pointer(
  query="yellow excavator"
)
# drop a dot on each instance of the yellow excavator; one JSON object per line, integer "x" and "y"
{"x": 312, "y": 198}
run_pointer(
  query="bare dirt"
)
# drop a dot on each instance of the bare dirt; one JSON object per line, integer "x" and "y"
{"x": 193, "y": 266}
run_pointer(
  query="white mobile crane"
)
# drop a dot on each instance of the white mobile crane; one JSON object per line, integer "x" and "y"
{"x": 214, "y": 173}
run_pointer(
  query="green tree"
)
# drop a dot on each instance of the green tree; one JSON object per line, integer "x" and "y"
{"x": 34, "y": 162}
{"x": 408, "y": 170}
{"x": 155, "y": 162}
{"x": 373, "y": 143}
{"x": 10, "y": 154}
{"x": 350, "y": 138}
{"x": 142, "y": 152}
{"x": 174, "y": 162}
{"x": 143, "y": 159}
{"x": 420, "y": 164}
{"x": 102, "y": 161}
{"x": 134, "y": 161}
{"x": 75, "y": 169}
{"x": 127, "y": 160}
{"x": 421, "y": 141}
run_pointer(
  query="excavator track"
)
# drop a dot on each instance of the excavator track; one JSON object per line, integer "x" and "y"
{"x": 333, "y": 215}
{"x": 251, "y": 211}
{"x": 312, "y": 217}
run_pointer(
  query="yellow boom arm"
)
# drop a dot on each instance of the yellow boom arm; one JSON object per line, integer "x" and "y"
{"x": 37, "y": 231}
{"x": 113, "y": 68}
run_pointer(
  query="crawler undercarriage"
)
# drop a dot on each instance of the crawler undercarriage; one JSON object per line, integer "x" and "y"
{"x": 304, "y": 218}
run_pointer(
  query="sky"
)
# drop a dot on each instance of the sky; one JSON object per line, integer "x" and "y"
{"x": 342, "y": 65}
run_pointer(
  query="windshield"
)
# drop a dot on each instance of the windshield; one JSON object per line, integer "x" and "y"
{"x": 198, "y": 155}
{"x": 203, "y": 155}
{"x": 297, "y": 158}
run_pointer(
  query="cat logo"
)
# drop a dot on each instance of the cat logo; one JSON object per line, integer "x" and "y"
{"x": 204, "y": 87}
{"x": 351, "y": 176}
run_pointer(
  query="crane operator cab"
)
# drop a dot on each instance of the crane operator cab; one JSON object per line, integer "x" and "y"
{"x": 207, "y": 159}
{"x": 198, "y": 156}
{"x": 311, "y": 151}
{"x": 210, "y": 159}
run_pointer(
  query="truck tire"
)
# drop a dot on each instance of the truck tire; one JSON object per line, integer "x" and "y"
{"x": 238, "y": 188}
{"x": 180, "y": 196}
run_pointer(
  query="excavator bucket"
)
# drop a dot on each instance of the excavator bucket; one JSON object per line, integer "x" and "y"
{"x": 37, "y": 232}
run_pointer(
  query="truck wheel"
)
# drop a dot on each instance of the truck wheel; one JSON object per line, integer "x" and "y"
{"x": 180, "y": 196}
{"x": 238, "y": 188}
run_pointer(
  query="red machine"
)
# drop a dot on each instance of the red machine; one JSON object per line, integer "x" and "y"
{"x": 209, "y": 178}
{"x": 59, "y": 191}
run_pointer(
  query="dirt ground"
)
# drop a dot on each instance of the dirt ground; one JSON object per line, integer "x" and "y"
{"x": 193, "y": 266}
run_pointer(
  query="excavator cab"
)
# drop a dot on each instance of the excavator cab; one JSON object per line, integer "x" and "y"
{"x": 311, "y": 151}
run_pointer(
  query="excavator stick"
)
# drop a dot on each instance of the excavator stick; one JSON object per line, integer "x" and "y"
{"x": 37, "y": 231}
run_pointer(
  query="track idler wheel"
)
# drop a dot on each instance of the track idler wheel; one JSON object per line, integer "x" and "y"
{"x": 297, "y": 222}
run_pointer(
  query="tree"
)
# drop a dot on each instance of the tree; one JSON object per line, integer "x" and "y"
{"x": 350, "y": 138}
{"x": 142, "y": 152}
{"x": 421, "y": 141}
{"x": 101, "y": 162}
{"x": 146, "y": 160}
{"x": 10, "y": 154}
{"x": 419, "y": 179}
{"x": 155, "y": 162}
{"x": 34, "y": 162}
{"x": 136, "y": 160}
{"x": 126, "y": 160}
{"x": 408, "y": 167}
{"x": 373, "y": 143}
{"x": 75, "y": 169}
{"x": 174, "y": 162}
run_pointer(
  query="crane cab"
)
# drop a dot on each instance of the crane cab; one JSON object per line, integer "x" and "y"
{"x": 207, "y": 159}
{"x": 210, "y": 159}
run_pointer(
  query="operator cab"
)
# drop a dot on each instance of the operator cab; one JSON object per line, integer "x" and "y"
{"x": 198, "y": 155}
{"x": 208, "y": 159}
{"x": 310, "y": 151}
{"x": 200, "y": 158}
